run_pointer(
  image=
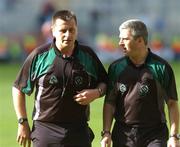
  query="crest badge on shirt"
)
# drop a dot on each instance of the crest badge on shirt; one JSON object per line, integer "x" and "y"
{"x": 143, "y": 90}
{"x": 78, "y": 80}
{"x": 122, "y": 88}
{"x": 53, "y": 80}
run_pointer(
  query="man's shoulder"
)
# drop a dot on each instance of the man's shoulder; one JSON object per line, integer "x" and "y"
{"x": 118, "y": 65}
{"x": 37, "y": 51}
{"x": 85, "y": 48}
{"x": 42, "y": 48}
{"x": 156, "y": 59}
{"x": 119, "y": 62}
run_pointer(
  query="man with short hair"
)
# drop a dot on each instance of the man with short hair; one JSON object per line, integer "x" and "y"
{"x": 139, "y": 84}
{"x": 68, "y": 76}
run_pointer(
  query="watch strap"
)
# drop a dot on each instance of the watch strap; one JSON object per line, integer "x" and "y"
{"x": 105, "y": 132}
{"x": 177, "y": 136}
{"x": 22, "y": 120}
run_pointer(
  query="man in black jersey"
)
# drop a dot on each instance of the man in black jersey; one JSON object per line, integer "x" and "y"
{"x": 67, "y": 77}
{"x": 139, "y": 85}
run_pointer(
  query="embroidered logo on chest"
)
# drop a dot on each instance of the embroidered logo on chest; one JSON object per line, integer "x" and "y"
{"x": 78, "y": 80}
{"x": 122, "y": 88}
{"x": 143, "y": 90}
{"x": 53, "y": 80}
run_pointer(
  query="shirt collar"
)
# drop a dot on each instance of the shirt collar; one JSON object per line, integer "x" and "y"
{"x": 146, "y": 60}
{"x": 58, "y": 52}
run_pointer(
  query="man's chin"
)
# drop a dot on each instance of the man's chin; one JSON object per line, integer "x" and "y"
{"x": 67, "y": 47}
{"x": 124, "y": 52}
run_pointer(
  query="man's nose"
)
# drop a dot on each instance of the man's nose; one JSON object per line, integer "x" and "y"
{"x": 120, "y": 41}
{"x": 67, "y": 33}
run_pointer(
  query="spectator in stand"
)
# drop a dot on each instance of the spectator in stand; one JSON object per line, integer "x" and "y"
{"x": 46, "y": 34}
{"x": 46, "y": 13}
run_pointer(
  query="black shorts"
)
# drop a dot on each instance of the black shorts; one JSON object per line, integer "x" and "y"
{"x": 66, "y": 135}
{"x": 126, "y": 136}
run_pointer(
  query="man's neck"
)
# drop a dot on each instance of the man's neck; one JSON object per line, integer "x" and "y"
{"x": 140, "y": 58}
{"x": 66, "y": 52}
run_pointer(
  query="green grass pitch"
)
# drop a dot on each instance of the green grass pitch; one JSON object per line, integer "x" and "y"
{"x": 8, "y": 121}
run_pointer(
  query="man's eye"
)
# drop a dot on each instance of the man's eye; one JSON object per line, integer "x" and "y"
{"x": 63, "y": 31}
{"x": 72, "y": 30}
{"x": 125, "y": 38}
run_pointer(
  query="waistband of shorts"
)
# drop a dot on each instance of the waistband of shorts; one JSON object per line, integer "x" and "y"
{"x": 63, "y": 124}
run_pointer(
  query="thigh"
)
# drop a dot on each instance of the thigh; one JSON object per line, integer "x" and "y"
{"x": 122, "y": 136}
{"x": 46, "y": 142}
{"x": 79, "y": 137}
{"x": 156, "y": 137}
{"x": 47, "y": 135}
{"x": 50, "y": 135}
{"x": 158, "y": 143}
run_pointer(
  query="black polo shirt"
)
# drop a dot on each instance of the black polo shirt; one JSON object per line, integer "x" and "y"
{"x": 57, "y": 79}
{"x": 138, "y": 93}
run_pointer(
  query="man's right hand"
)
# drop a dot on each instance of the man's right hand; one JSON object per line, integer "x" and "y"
{"x": 23, "y": 135}
{"x": 106, "y": 141}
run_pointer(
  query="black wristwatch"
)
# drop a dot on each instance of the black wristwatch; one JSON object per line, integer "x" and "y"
{"x": 177, "y": 136}
{"x": 22, "y": 120}
{"x": 105, "y": 132}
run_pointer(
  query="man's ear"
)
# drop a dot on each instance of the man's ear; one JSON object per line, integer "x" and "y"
{"x": 140, "y": 39}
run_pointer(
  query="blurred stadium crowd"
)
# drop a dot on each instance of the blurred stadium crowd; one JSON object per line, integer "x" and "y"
{"x": 26, "y": 24}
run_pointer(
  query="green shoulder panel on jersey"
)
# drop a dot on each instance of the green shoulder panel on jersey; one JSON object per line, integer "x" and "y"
{"x": 160, "y": 72}
{"x": 28, "y": 88}
{"x": 88, "y": 62}
{"x": 115, "y": 70}
{"x": 40, "y": 65}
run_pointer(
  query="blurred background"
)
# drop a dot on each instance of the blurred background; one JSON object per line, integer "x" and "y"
{"x": 25, "y": 24}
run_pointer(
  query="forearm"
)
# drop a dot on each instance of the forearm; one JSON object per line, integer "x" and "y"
{"x": 173, "y": 116}
{"x": 23, "y": 134}
{"x": 86, "y": 96}
{"x": 108, "y": 112}
{"x": 19, "y": 103}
